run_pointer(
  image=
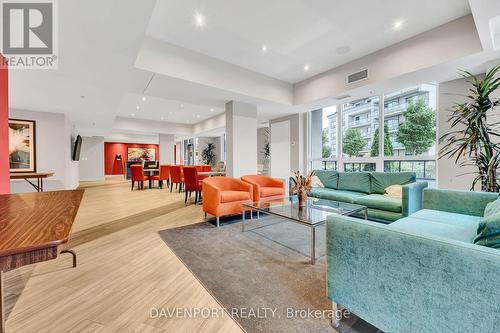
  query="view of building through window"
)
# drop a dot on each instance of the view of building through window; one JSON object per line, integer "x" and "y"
{"x": 409, "y": 133}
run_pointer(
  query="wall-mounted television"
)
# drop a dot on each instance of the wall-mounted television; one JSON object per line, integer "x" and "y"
{"x": 77, "y": 148}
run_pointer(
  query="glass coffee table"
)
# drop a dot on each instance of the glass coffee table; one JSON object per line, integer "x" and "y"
{"x": 312, "y": 214}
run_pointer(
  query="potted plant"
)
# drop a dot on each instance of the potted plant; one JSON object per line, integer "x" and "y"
{"x": 301, "y": 185}
{"x": 472, "y": 136}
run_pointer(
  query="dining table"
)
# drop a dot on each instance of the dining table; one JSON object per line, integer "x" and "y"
{"x": 211, "y": 173}
{"x": 151, "y": 172}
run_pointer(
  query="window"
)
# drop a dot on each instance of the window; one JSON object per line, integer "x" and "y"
{"x": 410, "y": 121}
{"x": 359, "y": 126}
{"x": 329, "y": 126}
{"x": 358, "y": 167}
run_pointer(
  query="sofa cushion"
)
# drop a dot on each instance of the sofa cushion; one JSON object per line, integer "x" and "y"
{"x": 329, "y": 178}
{"x": 488, "y": 232}
{"x": 492, "y": 208}
{"x": 336, "y": 195}
{"x": 379, "y": 201}
{"x": 431, "y": 228}
{"x": 354, "y": 181}
{"x": 462, "y": 220}
{"x": 382, "y": 180}
{"x": 271, "y": 191}
{"x": 232, "y": 196}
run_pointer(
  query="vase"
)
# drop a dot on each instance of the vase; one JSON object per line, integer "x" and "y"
{"x": 302, "y": 196}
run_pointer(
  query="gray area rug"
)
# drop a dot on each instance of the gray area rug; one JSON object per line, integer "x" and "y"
{"x": 266, "y": 269}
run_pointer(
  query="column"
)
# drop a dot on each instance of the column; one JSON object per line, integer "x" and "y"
{"x": 167, "y": 142}
{"x": 4, "y": 129}
{"x": 241, "y": 138}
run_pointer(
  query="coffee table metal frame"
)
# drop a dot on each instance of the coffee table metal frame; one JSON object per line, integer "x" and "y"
{"x": 255, "y": 206}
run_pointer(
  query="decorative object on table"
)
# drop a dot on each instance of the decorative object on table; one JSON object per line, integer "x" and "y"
{"x": 141, "y": 154}
{"x": 22, "y": 145}
{"x": 472, "y": 137}
{"x": 208, "y": 154}
{"x": 301, "y": 185}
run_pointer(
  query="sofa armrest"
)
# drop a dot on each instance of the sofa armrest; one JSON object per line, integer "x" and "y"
{"x": 413, "y": 197}
{"x": 457, "y": 201}
{"x": 403, "y": 282}
{"x": 211, "y": 198}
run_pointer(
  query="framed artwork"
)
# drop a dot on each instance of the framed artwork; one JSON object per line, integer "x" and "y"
{"x": 22, "y": 145}
{"x": 141, "y": 154}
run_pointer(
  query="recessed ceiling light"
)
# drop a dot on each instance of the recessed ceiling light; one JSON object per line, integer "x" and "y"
{"x": 82, "y": 96}
{"x": 182, "y": 105}
{"x": 264, "y": 48}
{"x": 170, "y": 112}
{"x": 143, "y": 98}
{"x": 162, "y": 118}
{"x": 133, "y": 114}
{"x": 211, "y": 110}
{"x": 306, "y": 67}
{"x": 197, "y": 116}
{"x": 199, "y": 20}
{"x": 397, "y": 24}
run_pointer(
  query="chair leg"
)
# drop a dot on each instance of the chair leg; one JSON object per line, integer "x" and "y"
{"x": 196, "y": 197}
{"x": 171, "y": 187}
{"x": 335, "y": 315}
{"x": 186, "y": 198}
{"x": 161, "y": 184}
{"x": 132, "y": 185}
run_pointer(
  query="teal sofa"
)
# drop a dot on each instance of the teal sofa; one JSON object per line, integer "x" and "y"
{"x": 367, "y": 189}
{"x": 421, "y": 273}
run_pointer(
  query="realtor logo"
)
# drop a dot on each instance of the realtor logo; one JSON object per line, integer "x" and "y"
{"x": 29, "y": 38}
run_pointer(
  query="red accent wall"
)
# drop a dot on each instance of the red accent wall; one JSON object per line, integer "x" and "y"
{"x": 4, "y": 129}
{"x": 114, "y": 167}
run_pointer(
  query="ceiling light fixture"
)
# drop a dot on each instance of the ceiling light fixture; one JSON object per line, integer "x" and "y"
{"x": 182, "y": 105}
{"x": 199, "y": 20}
{"x": 133, "y": 114}
{"x": 137, "y": 107}
{"x": 306, "y": 67}
{"x": 211, "y": 110}
{"x": 197, "y": 116}
{"x": 143, "y": 98}
{"x": 397, "y": 24}
{"x": 264, "y": 48}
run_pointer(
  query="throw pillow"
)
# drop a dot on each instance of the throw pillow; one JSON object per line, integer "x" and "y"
{"x": 492, "y": 208}
{"x": 394, "y": 191}
{"x": 488, "y": 232}
{"x": 316, "y": 182}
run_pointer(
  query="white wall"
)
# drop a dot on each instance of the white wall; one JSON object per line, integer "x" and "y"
{"x": 449, "y": 174}
{"x": 280, "y": 149}
{"x": 91, "y": 165}
{"x": 241, "y": 137}
{"x": 167, "y": 148}
{"x": 54, "y": 137}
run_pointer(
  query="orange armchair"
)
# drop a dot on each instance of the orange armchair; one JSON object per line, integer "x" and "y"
{"x": 265, "y": 187}
{"x": 225, "y": 196}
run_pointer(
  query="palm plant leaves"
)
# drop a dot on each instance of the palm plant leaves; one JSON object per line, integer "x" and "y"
{"x": 471, "y": 135}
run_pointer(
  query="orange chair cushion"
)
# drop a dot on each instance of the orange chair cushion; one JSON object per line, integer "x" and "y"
{"x": 232, "y": 196}
{"x": 271, "y": 191}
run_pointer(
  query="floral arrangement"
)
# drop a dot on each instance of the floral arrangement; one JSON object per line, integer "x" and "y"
{"x": 302, "y": 185}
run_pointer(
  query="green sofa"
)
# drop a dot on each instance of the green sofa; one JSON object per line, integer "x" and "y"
{"x": 421, "y": 273}
{"x": 367, "y": 189}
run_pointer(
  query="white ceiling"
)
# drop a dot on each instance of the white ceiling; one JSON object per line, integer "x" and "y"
{"x": 99, "y": 42}
{"x": 161, "y": 109}
{"x": 322, "y": 34}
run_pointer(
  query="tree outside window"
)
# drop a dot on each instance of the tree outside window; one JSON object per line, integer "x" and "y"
{"x": 353, "y": 143}
{"x": 418, "y": 132}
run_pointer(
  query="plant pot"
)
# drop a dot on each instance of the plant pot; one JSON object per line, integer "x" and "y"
{"x": 302, "y": 196}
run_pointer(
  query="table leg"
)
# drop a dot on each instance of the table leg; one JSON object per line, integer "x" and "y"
{"x": 313, "y": 246}
{"x": 41, "y": 184}
{"x": 2, "y": 305}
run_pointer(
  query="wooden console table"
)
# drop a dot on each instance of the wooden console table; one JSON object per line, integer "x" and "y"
{"x": 39, "y": 176}
{"x": 33, "y": 226}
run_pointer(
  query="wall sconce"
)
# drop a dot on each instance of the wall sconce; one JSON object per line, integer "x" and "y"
{"x": 118, "y": 157}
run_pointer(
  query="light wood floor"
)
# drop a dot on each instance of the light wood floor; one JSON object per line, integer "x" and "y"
{"x": 124, "y": 270}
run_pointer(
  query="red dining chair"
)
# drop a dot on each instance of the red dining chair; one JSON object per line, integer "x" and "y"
{"x": 137, "y": 173}
{"x": 191, "y": 183}
{"x": 176, "y": 177}
{"x": 206, "y": 168}
{"x": 163, "y": 175}
{"x": 199, "y": 168}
